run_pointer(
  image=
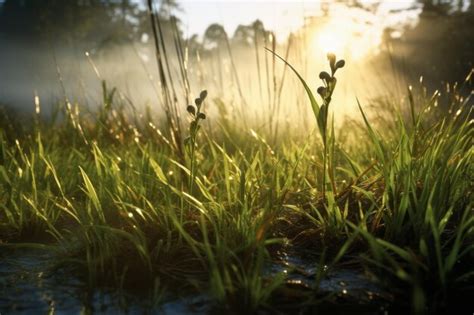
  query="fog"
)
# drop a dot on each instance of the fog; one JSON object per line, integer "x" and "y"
{"x": 381, "y": 60}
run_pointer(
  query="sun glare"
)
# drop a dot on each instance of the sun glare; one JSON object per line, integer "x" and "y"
{"x": 350, "y": 33}
{"x": 328, "y": 41}
{"x": 347, "y": 38}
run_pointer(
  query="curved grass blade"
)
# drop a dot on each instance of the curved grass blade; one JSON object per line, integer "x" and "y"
{"x": 312, "y": 99}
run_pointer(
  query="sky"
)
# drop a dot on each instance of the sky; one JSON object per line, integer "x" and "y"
{"x": 278, "y": 15}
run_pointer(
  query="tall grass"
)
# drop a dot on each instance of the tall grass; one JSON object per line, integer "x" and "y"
{"x": 108, "y": 193}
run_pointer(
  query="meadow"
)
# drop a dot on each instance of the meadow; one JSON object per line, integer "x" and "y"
{"x": 188, "y": 201}
{"x": 121, "y": 202}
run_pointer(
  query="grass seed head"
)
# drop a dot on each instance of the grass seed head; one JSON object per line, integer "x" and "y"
{"x": 191, "y": 109}
{"x": 198, "y": 102}
{"x": 322, "y": 91}
{"x": 340, "y": 64}
{"x": 332, "y": 60}
{"x": 324, "y": 76}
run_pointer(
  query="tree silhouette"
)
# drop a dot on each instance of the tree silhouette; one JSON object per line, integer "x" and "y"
{"x": 214, "y": 36}
{"x": 243, "y": 36}
{"x": 88, "y": 20}
{"x": 440, "y": 46}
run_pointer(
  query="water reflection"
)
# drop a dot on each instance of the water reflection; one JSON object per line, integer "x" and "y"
{"x": 28, "y": 285}
{"x": 302, "y": 271}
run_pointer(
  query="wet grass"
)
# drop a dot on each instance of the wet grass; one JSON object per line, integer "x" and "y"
{"x": 122, "y": 202}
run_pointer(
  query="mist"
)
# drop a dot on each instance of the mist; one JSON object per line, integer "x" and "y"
{"x": 382, "y": 61}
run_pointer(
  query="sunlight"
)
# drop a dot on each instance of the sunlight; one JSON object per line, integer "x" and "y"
{"x": 357, "y": 33}
{"x": 330, "y": 41}
{"x": 353, "y": 36}
{"x": 211, "y": 156}
{"x": 355, "y": 45}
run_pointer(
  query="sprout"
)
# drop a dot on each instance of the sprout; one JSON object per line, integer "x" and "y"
{"x": 194, "y": 126}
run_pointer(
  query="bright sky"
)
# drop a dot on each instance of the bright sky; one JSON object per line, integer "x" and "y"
{"x": 279, "y": 15}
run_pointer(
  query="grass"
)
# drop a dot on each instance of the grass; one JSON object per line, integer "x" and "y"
{"x": 113, "y": 195}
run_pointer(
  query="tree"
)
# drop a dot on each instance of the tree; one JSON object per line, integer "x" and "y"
{"x": 243, "y": 36}
{"x": 193, "y": 44}
{"x": 83, "y": 20}
{"x": 214, "y": 36}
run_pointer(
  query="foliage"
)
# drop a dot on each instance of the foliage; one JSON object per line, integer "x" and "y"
{"x": 110, "y": 194}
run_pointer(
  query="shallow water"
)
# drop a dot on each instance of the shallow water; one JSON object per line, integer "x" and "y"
{"x": 27, "y": 288}
{"x": 353, "y": 284}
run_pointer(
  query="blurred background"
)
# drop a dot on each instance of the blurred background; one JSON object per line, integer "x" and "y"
{"x": 63, "y": 49}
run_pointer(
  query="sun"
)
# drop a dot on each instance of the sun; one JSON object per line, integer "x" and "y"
{"x": 349, "y": 35}
{"x": 329, "y": 40}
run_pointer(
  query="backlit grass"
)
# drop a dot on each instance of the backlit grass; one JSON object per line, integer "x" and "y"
{"x": 124, "y": 204}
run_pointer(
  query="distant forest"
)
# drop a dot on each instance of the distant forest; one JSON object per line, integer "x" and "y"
{"x": 443, "y": 39}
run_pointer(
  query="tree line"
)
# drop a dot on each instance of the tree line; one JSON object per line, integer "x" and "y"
{"x": 104, "y": 23}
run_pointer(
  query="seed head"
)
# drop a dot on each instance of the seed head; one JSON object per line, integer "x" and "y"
{"x": 322, "y": 91}
{"x": 332, "y": 60}
{"x": 324, "y": 76}
{"x": 191, "y": 109}
{"x": 340, "y": 64}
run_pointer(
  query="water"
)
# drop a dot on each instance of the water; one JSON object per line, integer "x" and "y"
{"x": 28, "y": 286}
{"x": 341, "y": 290}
